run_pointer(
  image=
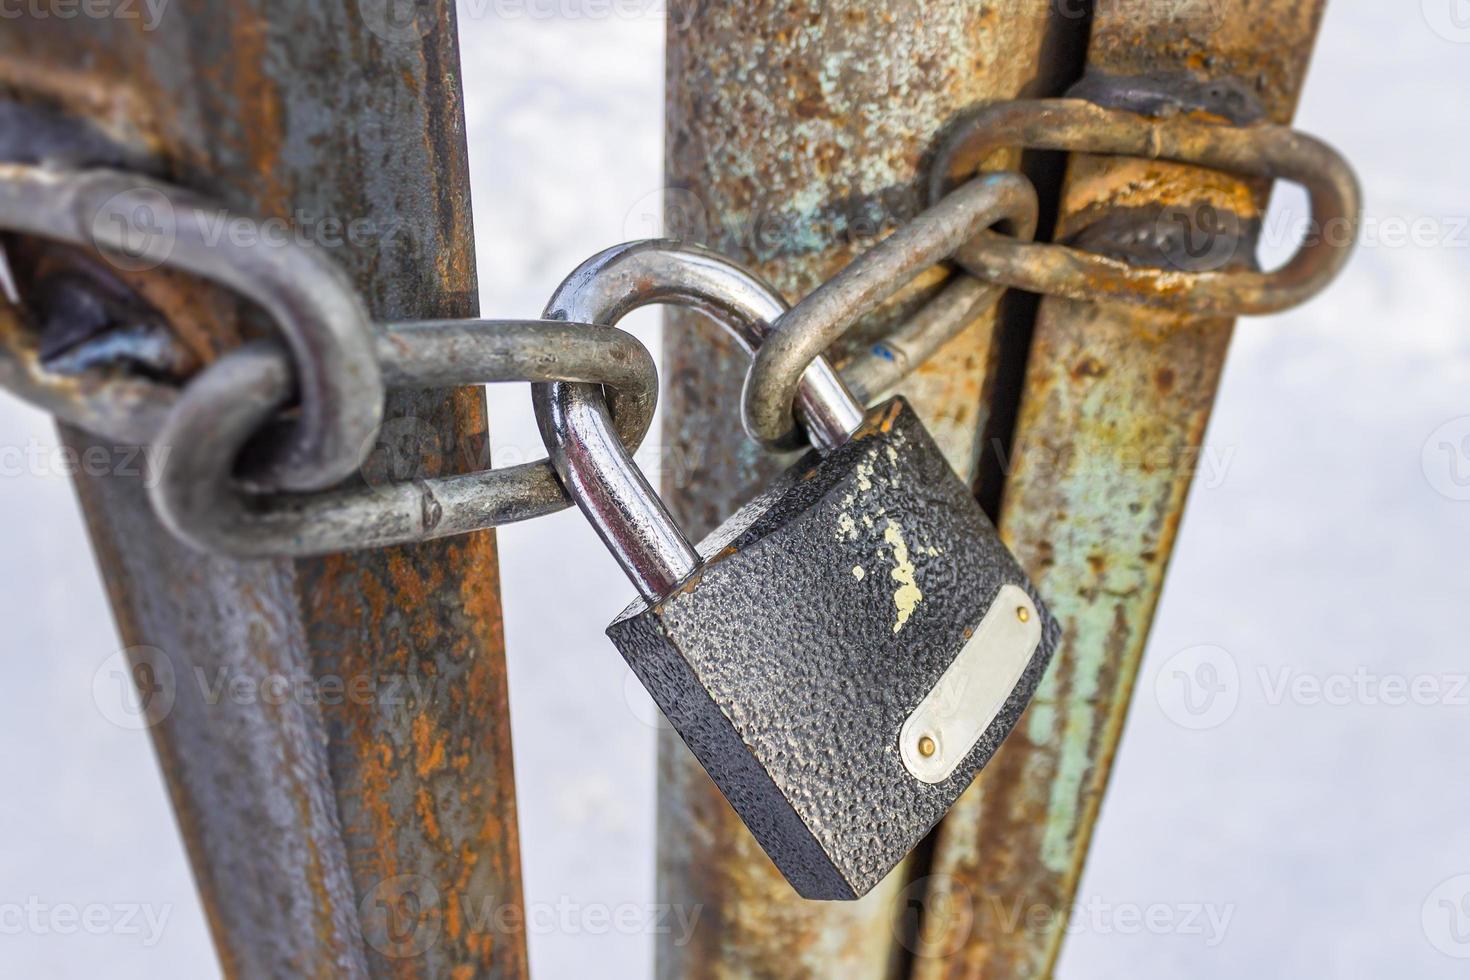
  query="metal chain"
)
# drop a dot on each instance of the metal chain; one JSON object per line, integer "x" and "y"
{"x": 234, "y": 476}
{"x": 309, "y": 297}
{"x": 198, "y": 497}
{"x": 835, "y": 307}
{"x": 1079, "y": 126}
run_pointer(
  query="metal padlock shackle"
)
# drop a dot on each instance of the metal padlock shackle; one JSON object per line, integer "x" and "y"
{"x": 591, "y": 460}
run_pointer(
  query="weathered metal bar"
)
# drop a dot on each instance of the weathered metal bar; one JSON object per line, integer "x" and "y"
{"x": 796, "y": 134}
{"x": 1113, "y": 414}
{"x": 246, "y": 769}
{"x": 345, "y": 124}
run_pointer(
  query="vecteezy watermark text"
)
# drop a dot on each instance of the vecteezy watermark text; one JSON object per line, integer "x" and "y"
{"x": 138, "y": 229}
{"x": 37, "y": 917}
{"x": 1210, "y": 465}
{"x": 1200, "y": 687}
{"x": 37, "y": 458}
{"x": 938, "y": 915}
{"x": 149, "y": 12}
{"x": 404, "y": 916}
{"x": 138, "y": 687}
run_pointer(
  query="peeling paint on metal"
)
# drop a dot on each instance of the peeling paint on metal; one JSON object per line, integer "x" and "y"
{"x": 801, "y": 130}
{"x": 906, "y": 597}
{"x": 1115, "y": 405}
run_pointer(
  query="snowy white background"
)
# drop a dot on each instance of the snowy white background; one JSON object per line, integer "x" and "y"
{"x": 1313, "y": 812}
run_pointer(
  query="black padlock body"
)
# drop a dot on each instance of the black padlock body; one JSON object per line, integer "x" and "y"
{"x": 788, "y": 664}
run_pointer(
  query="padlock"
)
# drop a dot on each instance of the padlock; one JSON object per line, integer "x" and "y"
{"x": 846, "y": 651}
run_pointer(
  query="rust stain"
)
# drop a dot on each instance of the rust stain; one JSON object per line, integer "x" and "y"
{"x": 1115, "y": 405}
{"x": 423, "y": 786}
{"x": 797, "y": 185}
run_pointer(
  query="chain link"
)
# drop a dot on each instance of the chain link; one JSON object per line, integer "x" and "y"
{"x": 1078, "y": 126}
{"x": 835, "y": 307}
{"x": 958, "y": 225}
{"x": 235, "y": 469}
{"x": 309, "y": 297}
{"x": 199, "y": 499}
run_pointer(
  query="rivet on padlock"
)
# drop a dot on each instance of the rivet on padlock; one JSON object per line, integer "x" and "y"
{"x": 844, "y": 653}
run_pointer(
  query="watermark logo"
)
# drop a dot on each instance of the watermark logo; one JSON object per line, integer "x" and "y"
{"x": 1199, "y": 238}
{"x": 1445, "y": 459}
{"x": 405, "y": 449}
{"x": 399, "y": 21}
{"x": 1199, "y": 687}
{"x": 231, "y": 685}
{"x": 1445, "y": 917}
{"x": 934, "y": 916}
{"x": 136, "y": 229}
{"x": 139, "y": 228}
{"x": 1450, "y": 19}
{"x": 135, "y": 688}
{"x": 48, "y": 460}
{"x": 681, "y": 214}
{"x": 1209, "y": 466}
{"x": 401, "y": 916}
{"x": 404, "y": 916}
{"x": 640, "y": 704}
{"x": 1362, "y": 687}
{"x": 405, "y": 21}
{"x": 672, "y": 212}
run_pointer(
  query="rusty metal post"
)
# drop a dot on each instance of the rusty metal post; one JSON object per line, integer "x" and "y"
{"x": 797, "y": 135}
{"x": 371, "y": 829}
{"x": 1112, "y": 418}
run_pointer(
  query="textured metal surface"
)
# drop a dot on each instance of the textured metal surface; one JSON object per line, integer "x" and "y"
{"x": 199, "y": 498}
{"x": 1115, "y": 407}
{"x": 249, "y": 779}
{"x": 300, "y": 111}
{"x": 795, "y": 134}
{"x": 823, "y": 613}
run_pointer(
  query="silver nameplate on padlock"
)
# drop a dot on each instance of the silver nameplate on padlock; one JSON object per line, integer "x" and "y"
{"x": 945, "y": 726}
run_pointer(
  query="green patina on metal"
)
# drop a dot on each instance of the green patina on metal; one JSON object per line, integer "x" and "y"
{"x": 803, "y": 131}
{"x": 1107, "y": 440}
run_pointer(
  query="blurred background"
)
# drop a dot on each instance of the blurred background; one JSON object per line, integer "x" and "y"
{"x": 1294, "y": 766}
